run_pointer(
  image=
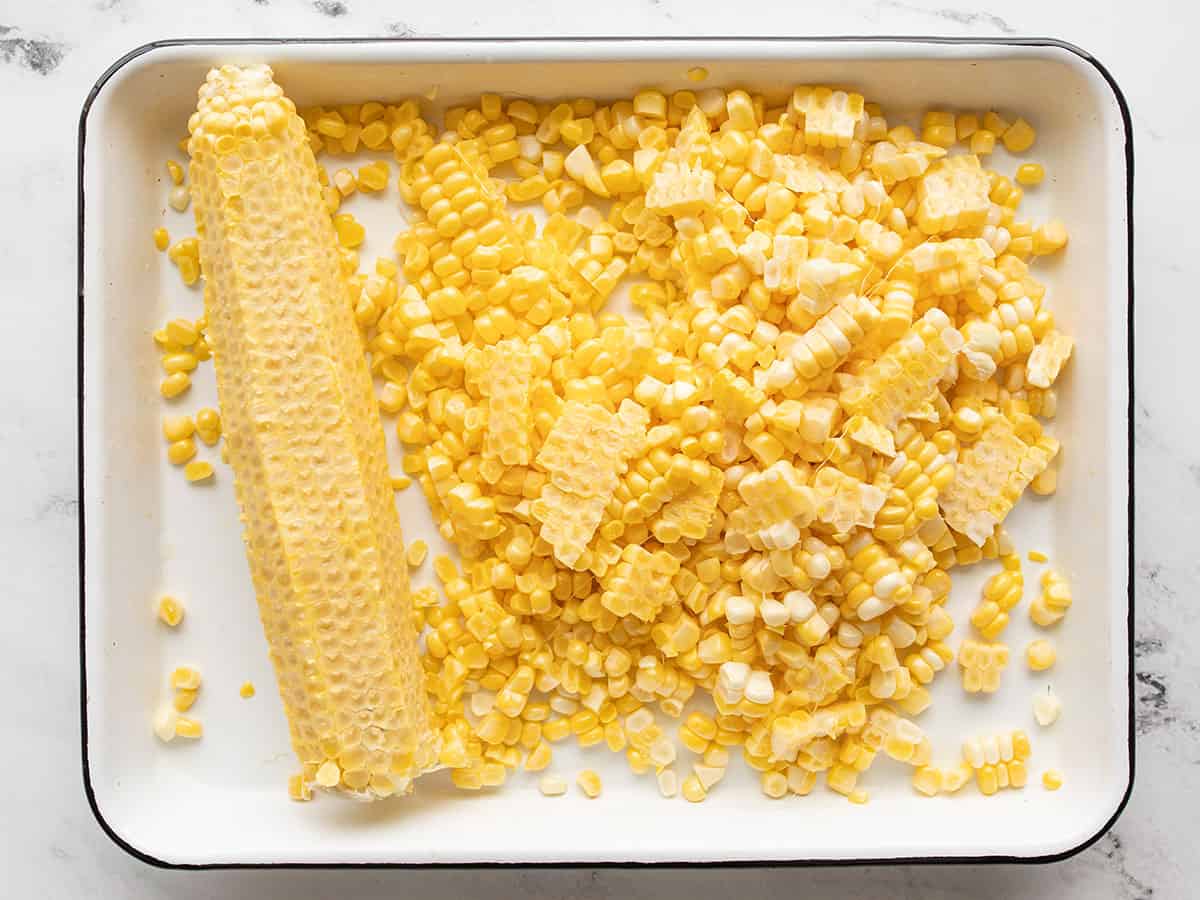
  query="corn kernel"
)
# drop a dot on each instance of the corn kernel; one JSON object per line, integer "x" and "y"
{"x": 188, "y": 728}
{"x": 298, "y": 789}
{"x": 1040, "y": 655}
{"x": 1030, "y": 174}
{"x": 589, "y": 783}
{"x": 349, "y": 232}
{"x": 177, "y": 428}
{"x": 175, "y": 384}
{"x": 417, "y": 551}
{"x": 185, "y": 678}
{"x": 179, "y": 452}
{"x": 170, "y": 611}
{"x": 208, "y": 425}
{"x": 693, "y": 791}
{"x": 1019, "y": 136}
{"x": 1052, "y": 779}
{"x": 1046, "y": 708}
{"x": 198, "y": 470}
{"x": 552, "y": 785}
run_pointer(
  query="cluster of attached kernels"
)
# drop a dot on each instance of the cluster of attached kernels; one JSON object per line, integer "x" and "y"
{"x": 373, "y": 126}
{"x": 169, "y": 722}
{"x": 744, "y": 548}
{"x": 998, "y": 761}
{"x": 178, "y": 198}
{"x": 1001, "y": 593}
{"x": 982, "y": 664}
{"x": 934, "y": 780}
{"x": 186, "y": 256}
{"x": 1051, "y": 605}
{"x": 179, "y": 431}
{"x": 993, "y": 472}
{"x": 182, "y": 347}
{"x": 978, "y": 133}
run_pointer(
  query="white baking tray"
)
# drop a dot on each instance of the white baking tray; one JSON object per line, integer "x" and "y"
{"x": 221, "y": 801}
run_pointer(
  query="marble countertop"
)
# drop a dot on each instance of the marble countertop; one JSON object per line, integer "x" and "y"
{"x": 51, "y": 51}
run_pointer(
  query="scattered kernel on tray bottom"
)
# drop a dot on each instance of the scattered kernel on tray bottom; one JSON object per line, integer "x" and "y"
{"x": 754, "y": 490}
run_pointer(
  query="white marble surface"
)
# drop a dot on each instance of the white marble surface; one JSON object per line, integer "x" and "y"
{"x": 51, "y": 51}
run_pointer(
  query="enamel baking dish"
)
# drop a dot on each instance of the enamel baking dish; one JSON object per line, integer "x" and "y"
{"x": 222, "y": 801}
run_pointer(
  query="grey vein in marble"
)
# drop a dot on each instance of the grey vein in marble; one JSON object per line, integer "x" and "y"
{"x": 35, "y": 54}
{"x": 957, "y": 16}
{"x": 332, "y": 8}
{"x": 1113, "y": 849}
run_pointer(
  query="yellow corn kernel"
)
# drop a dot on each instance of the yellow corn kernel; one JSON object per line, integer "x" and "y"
{"x": 208, "y": 425}
{"x": 1052, "y": 779}
{"x": 1049, "y": 238}
{"x": 589, "y": 782}
{"x": 349, "y": 232}
{"x": 552, "y": 785}
{"x": 693, "y": 791}
{"x": 185, "y": 699}
{"x": 162, "y": 239}
{"x": 1019, "y": 136}
{"x": 373, "y": 177}
{"x": 1030, "y": 174}
{"x": 417, "y": 551}
{"x": 179, "y": 452}
{"x": 556, "y": 729}
{"x": 198, "y": 470}
{"x": 467, "y": 779}
{"x": 1038, "y": 556}
{"x": 1052, "y": 604}
{"x": 987, "y": 780}
{"x": 175, "y": 384}
{"x": 188, "y": 728}
{"x": 1040, "y": 655}
{"x": 170, "y": 610}
{"x": 774, "y": 784}
{"x": 983, "y": 142}
{"x": 177, "y": 428}
{"x": 298, "y": 789}
{"x": 185, "y": 678}
{"x": 927, "y": 780}
{"x": 697, "y": 74}
{"x": 179, "y": 362}
{"x": 246, "y": 691}
{"x": 539, "y": 757}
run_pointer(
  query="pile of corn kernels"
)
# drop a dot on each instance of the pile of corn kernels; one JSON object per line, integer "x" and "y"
{"x": 753, "y": 491}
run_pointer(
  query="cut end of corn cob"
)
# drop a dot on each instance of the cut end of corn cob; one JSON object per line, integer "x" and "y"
{"x": 306, "y": 443}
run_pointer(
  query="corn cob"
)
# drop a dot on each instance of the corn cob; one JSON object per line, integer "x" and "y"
{"x": 300, "y": 418}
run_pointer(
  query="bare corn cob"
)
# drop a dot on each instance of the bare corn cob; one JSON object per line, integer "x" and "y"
{"x": 306, "y": 444}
